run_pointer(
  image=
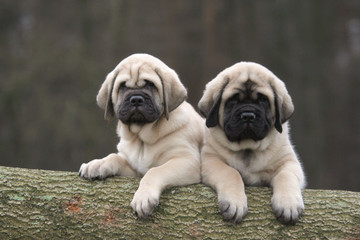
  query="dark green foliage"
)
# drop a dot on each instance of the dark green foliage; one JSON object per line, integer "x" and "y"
{"x": 54, "y": 55}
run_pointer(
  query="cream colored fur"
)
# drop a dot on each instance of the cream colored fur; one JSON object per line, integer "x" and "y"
{"x": 164, "y": 153}
{"x": 273, "y": 161}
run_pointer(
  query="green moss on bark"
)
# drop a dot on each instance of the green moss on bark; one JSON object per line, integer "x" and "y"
{"x": 60, "y": 205}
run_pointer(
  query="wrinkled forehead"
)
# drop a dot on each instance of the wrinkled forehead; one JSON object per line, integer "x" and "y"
{"x": 247, "y": 84}
{"x": 135, "y": 74}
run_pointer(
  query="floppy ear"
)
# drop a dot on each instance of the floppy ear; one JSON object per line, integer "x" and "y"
{"x": 209, "y": 107}
{"x": 104, "y": 99}
{"x": 278, "y": 123}
{"x": 284, "y": 107}
{"x": 174, "y": 93}
{"x": 212, "y": 118}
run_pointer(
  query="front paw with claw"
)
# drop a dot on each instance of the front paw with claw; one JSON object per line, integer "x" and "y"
{"x": 233, "y": 209}
{"x": 97, "y": 169}
{"x": 288, "y": 208}
{"x": 144, "y": 202}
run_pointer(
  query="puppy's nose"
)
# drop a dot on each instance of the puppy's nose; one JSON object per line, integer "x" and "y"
{"x": 248, "y": 116}
{"x": 137, "y": 100}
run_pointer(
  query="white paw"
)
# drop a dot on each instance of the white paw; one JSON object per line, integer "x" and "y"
{"x": 96, "y": 169}
{"x": 144, "y": 202}
{"x": 288, "y": 208}
{"x": 233, "y": 209}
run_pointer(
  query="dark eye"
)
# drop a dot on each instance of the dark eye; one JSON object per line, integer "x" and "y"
{"x": 149, "y": 83}
{"x": 123, "y": 85}
{"x": 262, "y": 98}
{"x": 233, "y": 100}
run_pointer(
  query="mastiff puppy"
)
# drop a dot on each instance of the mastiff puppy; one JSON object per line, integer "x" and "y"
{"x": 160, "y": 133}
{"x": 246, "y": 108}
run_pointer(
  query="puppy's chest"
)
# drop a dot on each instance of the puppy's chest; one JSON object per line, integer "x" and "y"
{"x": 139, "y": 155}
{"x": 252, "y": 167}
{"x": 244, "y": 159}
{"x": 247, "y": 156}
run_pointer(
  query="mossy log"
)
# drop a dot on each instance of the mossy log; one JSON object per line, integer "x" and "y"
{"x": 39, "y": 204}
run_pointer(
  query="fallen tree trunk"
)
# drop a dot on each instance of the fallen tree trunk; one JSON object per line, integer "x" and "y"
{"x": 60, "y": 205}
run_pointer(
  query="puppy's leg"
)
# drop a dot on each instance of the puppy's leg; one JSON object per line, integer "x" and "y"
{"x": 287, "y": 201}
{"x": 175, "y": 172}
{"x": 110, "y": 165}
{"x": 229, "y": 187}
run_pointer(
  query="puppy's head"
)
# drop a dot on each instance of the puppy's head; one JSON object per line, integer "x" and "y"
{"x": 246, "y": 100}
{"x": 140, "y": 90}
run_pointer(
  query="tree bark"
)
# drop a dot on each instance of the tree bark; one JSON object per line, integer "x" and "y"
{"x": 39, "y": 204}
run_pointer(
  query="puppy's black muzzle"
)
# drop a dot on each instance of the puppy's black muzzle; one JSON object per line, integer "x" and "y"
{"x": 246, "y": 121}
{"x": 138, "y": 107}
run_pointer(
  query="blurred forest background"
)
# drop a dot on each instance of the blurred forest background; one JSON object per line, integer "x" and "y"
{"x": 54, "y": 55}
